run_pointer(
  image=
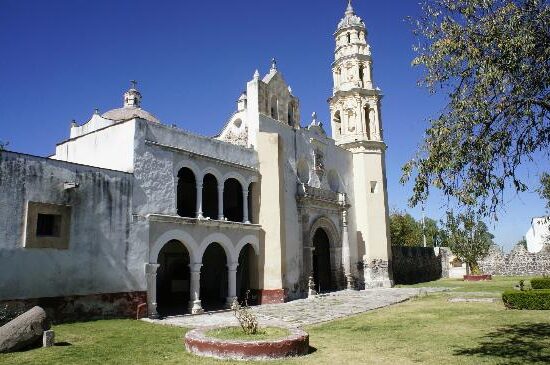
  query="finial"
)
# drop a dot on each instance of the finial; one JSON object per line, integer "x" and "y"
{"x": 349, "y": 10}
{"x": 273, "y": 64}
{"x": 96, "y": 111}
{"x": 256, "y": 75}
{"x": 73, "y": 123}
{"x": 289, "y": 89}
{"x": 133, "y": 84}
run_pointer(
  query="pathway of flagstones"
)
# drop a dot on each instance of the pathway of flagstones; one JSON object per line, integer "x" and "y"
{"x": 303, "y": 312}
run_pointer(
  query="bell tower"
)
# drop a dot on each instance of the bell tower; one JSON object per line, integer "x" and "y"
{"x": 356, "y": 127}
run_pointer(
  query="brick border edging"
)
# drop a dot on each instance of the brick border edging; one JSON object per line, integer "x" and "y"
{"x": 477, "y": 277}
{"x": 295, "y": 344}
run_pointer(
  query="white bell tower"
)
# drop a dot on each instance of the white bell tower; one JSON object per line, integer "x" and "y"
{"x": 357, "y": 127}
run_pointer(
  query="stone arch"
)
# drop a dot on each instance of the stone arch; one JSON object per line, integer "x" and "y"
{"x": 233, "y": 205}
{"x": 214, "y": 276}
{"x": 246, "y": 280}
{"x": 173, "y": 278}
{"x": 223, "y": 241}
{"x": 249, "y": 239}
{"x": 212, "y": 171}
{"x": 327, "y": 226}
{"x": 234, "y": 175}
{"x": 178, "y": 235}
{"x": 186, "y": 194}
{"x": 210, "y": 186}
{"x": 337, "y": 123}
{"x": 330, "y": 228}
{"x": 190, "y": 165}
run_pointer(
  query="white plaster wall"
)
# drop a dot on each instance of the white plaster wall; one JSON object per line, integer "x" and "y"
{"x": 538, "y": 234}
{"x": 101, "y": 258}
{"x": 111, "y": 147}
{"x": 297, "y": 145}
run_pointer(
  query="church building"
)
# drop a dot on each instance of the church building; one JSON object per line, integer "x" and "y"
{"x": 131, "y": 212}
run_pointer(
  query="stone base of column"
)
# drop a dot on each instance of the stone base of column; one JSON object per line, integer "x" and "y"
{"x": 377, "y": 274}
{"x": 195, "y": 307}
{"x": 350, "y": 282}
{"x": 229, "y": 302}
{"x": 153, "y": 314}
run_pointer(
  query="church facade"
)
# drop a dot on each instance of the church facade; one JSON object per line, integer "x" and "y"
{"x": 130, "y": 210}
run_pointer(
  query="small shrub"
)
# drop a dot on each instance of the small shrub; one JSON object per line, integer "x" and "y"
{"x": 247, "y": 320}
{"x": 529, "y": 299}
{"x": 540, "y": 283}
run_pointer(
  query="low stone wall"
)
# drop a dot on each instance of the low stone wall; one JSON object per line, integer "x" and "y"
{"x": 518, "y": 262}
{"x": 82, "y": 307}
{"x": 412, "y": 265}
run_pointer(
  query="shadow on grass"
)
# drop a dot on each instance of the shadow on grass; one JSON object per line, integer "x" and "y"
{"x": 311, "y": 350}
{"x": 517, "y": 344}
{"x": 62, "y": 343}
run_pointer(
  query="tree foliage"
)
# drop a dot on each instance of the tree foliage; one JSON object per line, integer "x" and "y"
{"x": 468, "y": 238}
{"x": 544, "y": 189}
{"x": 404, "y": 230}
{"x": 492, "y": 59}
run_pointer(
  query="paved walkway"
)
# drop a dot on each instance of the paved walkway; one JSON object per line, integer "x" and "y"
{"x": 303, "y": 312}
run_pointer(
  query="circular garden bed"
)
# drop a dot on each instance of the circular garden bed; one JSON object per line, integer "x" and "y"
{"x": 232, "y": 343}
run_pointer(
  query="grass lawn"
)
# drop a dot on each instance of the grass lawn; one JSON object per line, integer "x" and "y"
{"x": 236, "y": 333}
{"x": 497, "y": 285}
{"x": 426, "y": 330}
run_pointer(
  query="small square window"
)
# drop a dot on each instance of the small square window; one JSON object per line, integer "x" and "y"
{"x": 48, "y": 225}
{"x": 373, "y": 187}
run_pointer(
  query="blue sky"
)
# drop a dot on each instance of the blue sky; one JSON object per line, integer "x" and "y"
{"x": 61, "y": 59}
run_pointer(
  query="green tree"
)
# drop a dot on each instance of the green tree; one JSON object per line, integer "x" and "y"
{"x": 544, "y": 189}
{"x": 3, "y": 145}
{"x": 492, "y": 60}
{"x": 468, "y": 238}
{"x": 434, "y": 236}
{"x": 405, "y": 230}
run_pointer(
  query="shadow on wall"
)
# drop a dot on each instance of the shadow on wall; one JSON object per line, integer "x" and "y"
{"x": 411, "y": 265}
{"x": 524, "y": 343}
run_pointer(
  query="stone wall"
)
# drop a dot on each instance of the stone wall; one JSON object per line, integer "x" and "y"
{"x": 518, "y": 262}
{"x": 412, "y": 265}
{"x": 82, "y": 307}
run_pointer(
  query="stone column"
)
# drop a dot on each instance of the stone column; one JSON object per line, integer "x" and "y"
{"x": 199, "y": 201}
{"x": 368, "y": 84}
{"x": 245, "y": 206}
{"x": 151, "y": 275}
{"x": 220, "y": 201}
{"x": 346, "y": 258}
{"x": 195, "y": 302}
{"x": 232, "y": 284}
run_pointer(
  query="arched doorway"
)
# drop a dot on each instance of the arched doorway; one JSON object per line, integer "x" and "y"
{"x": 187, "y": 193}
{"x": 210, "y": 196}
{"x": 321, "y": 261}
{"x": 233, "y": 200}
{"x": 214, "y": 277}
{"x": 173, "y": 279}
{"x": 247, "y": 273}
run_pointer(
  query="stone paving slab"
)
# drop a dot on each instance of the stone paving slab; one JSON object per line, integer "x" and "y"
{"x": 303, "y": 312}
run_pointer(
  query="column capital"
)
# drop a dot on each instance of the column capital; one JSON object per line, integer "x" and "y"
{"x": 233, "y": 266}
{"x": 195, "y": 267}
{"x": 151, "y": 268}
